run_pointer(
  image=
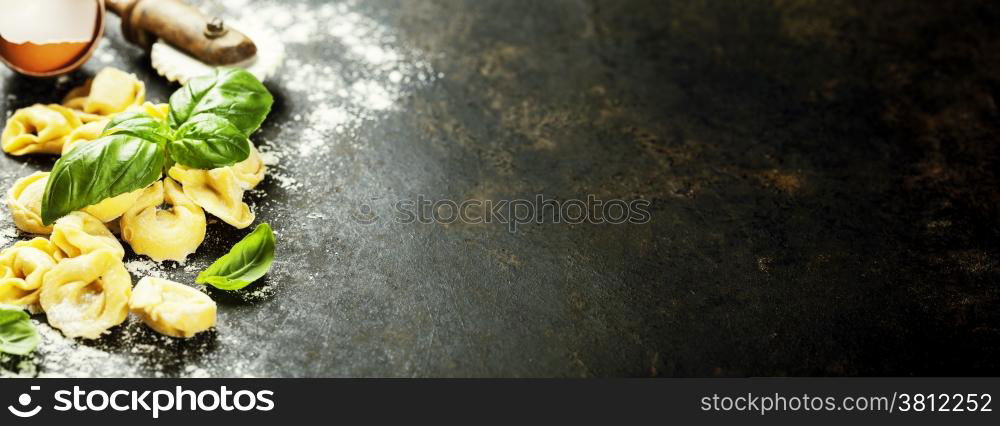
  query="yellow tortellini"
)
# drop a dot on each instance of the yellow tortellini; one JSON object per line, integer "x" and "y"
{"x": 93, "y": 130}
{"x": 79, "y": 233}
{"x": 110, "y": 92}
{"x": 24, "y": 200}
{"x": 56, "y": 129}
{"x": 22, "y": 268}
{"x": 164, "y": 234}
{"x": 38, "y": 129}
{"x": 172, "y": 308}
{"x": 114, "y": 207}
{"x": 218, "y": 191}
{"x": 251, "y": 171}
{"x": 159, "y": 111}
{"x": 87, "y": 295}
{"x": 83, "y": 134}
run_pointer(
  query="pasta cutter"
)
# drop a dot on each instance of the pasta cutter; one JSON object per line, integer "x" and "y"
{"x": 184, "y": 43}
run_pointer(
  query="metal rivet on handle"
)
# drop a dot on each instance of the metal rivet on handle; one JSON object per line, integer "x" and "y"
{"x": 215, "y": 28}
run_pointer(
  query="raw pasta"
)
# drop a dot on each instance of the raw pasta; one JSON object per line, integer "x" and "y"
{"x": 251, "y": 171}
{"x": 218, "y": 191}
{"x": 87, "y": 295}
{"x": 56, "y": 129}
{"x": 112, "y": 208}
{"x": 22, "y": 268}
{"x": 83, "y": 134}
{"x": 79, "y": 233}
{"x": 111, "y": 91}
{"x": 24, "y": 200}
{"x": 172, "y": 308}
{"x": 159, "y": 111}
{"x": 95, "y": 129}
{"x": 38, "y": 129}
{"x": 164, "y": 234}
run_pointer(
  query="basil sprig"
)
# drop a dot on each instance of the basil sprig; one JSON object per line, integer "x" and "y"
{"x": 209, "y": 124}
{"x": 17, "y": 335}
{"x": 245, "y": 263}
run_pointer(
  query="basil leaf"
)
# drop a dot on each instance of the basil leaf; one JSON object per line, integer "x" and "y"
{"x": 104, "y": 168}
{"x": 246, "y": 262}
{"x": 208, "y": 141}
{"x": 17, "y": 334}
{"x": 231, "y": 93}
{"x": 140, "y": 125}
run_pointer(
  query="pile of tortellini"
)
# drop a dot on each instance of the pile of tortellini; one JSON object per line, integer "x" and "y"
{"x": 73, "y": 271}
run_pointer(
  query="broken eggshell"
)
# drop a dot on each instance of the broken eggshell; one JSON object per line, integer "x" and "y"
{"x": 49, "y": 38}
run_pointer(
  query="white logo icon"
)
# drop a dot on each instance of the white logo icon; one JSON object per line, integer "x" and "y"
{"x": 24, "y": 400}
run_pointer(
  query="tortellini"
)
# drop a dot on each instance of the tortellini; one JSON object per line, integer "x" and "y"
{"x": 87, "y": 295}
{"x": 79, "y": 233}
{"x": 218, "y": 191}
{"x": 24, "y": 200}
{"x": 251, "y": 171}
{"x": 38, "y": 129}
{"x": 110, "y": 92}
{"x": 22, "y": 268}
{"x": 164, "y": 234}
{"x": 83, "y": 134}
{"x": 114, "y": 207}
{"x": 56, "y": 129}
{"x": 172, "y": 308}
{"x": 159, "y": 111}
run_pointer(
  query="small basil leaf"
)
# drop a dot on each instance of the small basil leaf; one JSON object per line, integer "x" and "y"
{"x": 231, "y": 93}
{"x": 140, "y": 125}
{"x": 223, "y": 283}
{"x": 105, "y": 168}
{"x": 17, "y": 335}
{"x": 208, "y": 141}
{"x": 246, "y": 262}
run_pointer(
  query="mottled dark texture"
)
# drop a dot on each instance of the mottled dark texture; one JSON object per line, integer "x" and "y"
{"x": 823, "y": 177}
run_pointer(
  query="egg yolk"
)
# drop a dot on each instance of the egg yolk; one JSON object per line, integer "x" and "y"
{"x": 42, "y": 57}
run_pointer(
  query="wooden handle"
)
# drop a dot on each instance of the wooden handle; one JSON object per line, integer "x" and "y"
{"x": 119, "y": 7}
{"x": 184, "y": 27}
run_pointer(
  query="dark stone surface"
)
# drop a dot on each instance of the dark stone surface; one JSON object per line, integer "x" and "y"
{"x": 823, "y": 178}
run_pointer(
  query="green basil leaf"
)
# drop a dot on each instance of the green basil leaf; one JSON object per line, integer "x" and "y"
{"x": 105, "y": 168}
{"x": 208, "y": 141}
{"x": 231, "y": 93}
{"x": 140, "y": 125}
{"x": 17, "y": 334}
{"x": 246, "y": 262}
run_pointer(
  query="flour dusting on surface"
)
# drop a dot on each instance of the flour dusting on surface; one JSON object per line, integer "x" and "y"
{"x": 376, "y": 72}
{"x": 145, "y": 268}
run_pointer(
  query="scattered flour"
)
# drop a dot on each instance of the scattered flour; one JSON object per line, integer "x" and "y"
{"x": 8, "y": 234}
{"x": 376, "y": 70}
{"x": 196, "y": 372}
{"x": 63, "y": 357}
{"x": 145, "y": 268}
